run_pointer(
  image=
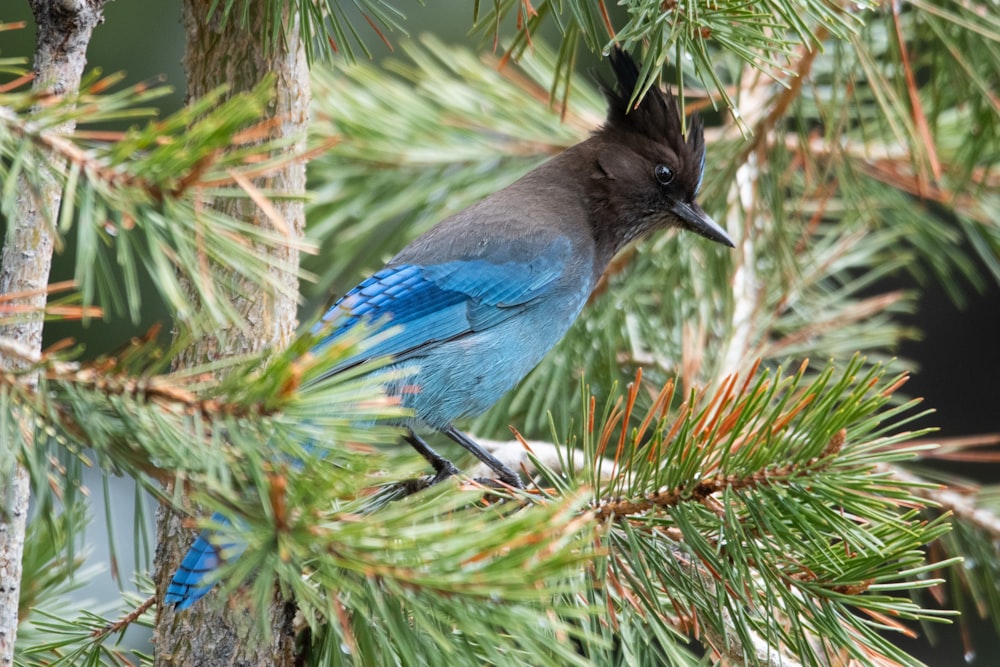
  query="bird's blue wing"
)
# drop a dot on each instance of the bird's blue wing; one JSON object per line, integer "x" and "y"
{"x": 434, "y": 303}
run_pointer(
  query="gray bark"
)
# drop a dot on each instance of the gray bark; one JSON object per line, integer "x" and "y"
{"x": 63, "y": 29}
{"x": 212, "y": 632}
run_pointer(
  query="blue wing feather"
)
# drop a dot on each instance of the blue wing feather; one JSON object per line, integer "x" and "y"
{"x": 433, "y": 303}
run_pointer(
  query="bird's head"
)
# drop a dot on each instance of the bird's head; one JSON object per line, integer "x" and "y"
{"x": 646, "y": 172}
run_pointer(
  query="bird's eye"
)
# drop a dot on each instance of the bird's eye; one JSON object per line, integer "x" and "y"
{"x": 664, "y": 174}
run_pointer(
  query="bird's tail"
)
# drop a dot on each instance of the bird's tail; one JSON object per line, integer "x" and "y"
{"x": 193, "y": 578}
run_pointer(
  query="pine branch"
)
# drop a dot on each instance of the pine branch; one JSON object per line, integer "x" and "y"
{"x": 663, "y": 492}
{"x": 718, "y": 511}
{"x": 722, "y": 465}
{"x": 136, "y": 199}
{"x": 704, "y": 490}
{"x": 648, "y": 514}
{"x": 963, "y": 506}
{"x": 763, "y": 37}
{"x": 159, "y": 424}
{"x": 974, "y": 510}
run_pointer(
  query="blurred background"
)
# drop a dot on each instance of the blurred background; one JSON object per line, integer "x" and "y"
{"x": 955, "y": 360}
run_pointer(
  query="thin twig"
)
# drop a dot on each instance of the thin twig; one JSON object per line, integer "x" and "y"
{"x": 125, "y": 620}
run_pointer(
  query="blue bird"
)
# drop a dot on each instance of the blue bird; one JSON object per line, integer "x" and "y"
{"x": 471, "y": 306}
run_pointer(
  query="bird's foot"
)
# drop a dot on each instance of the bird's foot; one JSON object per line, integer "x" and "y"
{"x": 504, "y": 474}
{"x": 443, "y": 469}
{"x": 510, "y": 478}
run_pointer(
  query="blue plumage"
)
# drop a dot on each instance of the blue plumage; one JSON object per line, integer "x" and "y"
{"x": 191, "y": 581}
{"x": 470, "y": 307}
{"x": 434, "y": 303}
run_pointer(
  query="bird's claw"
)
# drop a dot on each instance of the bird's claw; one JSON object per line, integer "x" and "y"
{"x": 442, "y": 472}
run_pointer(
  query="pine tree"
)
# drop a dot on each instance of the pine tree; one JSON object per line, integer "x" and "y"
{"x": 701, "y": 489}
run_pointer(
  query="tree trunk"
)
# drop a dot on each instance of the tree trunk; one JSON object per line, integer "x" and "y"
{"x": 227, "y": 52}
{"x": 63, "y": 30}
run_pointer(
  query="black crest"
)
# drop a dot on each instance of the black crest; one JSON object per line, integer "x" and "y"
{"x": 655, "y": 116}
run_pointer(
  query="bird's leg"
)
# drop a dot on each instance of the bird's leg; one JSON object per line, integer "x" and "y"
{"x": 443, "y": 468}
{"x": 505, "y": 474}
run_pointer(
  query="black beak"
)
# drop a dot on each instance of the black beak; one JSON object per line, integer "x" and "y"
{"x": 698, "y": 222}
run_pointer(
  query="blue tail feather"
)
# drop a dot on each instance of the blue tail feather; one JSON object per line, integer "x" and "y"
{"x": 192, "y": 580}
